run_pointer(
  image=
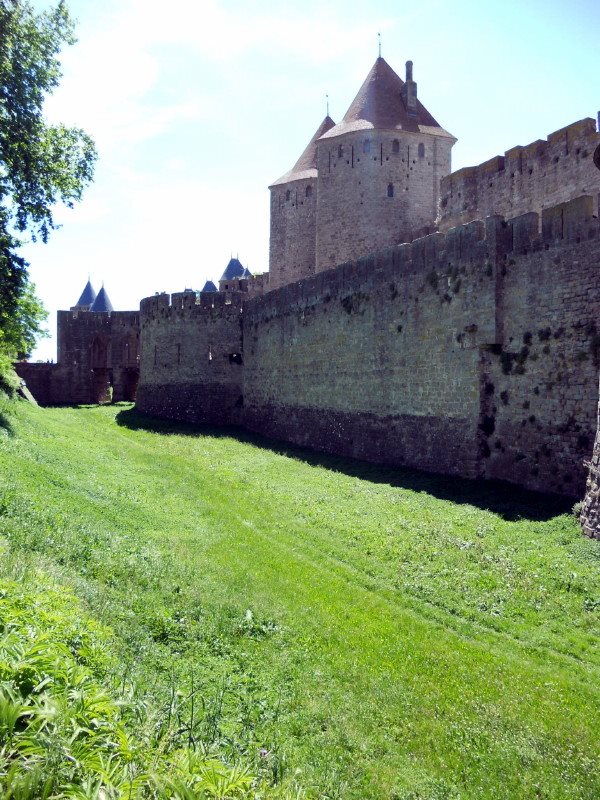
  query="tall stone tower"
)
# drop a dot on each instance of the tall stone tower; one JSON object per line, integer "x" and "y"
{"x": 293, "y": 217}
{"x": 379, "y": 170}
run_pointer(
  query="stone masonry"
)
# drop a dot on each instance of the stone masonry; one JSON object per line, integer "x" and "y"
{"x": 531, "y": 178}
{"x": 97, "y": 359}
{"x": 473, "y": 353}
{"x": 449, "y": 322}
{"x": 371, "y": 181}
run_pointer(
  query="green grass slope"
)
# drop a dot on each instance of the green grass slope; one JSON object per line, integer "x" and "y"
{"x": 354, "y": 631}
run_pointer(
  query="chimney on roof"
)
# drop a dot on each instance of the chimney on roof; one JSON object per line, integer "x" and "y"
{"x": 409, "y": 91}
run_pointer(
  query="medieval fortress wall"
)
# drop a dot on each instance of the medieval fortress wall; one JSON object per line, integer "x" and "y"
{"x": 473, "y": 350}
{"x": 97, "y": 360}
{"x": 473, "y": 353}
{"x": 530, "y": 178}
{"x": 191, "y": 357}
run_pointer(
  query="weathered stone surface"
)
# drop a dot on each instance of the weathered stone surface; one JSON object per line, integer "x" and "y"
{"x": 191, "y": 352}
{"x": 97, "y": 356}
{"x": 473, "y": 352}
{"x": 540, "y": 175}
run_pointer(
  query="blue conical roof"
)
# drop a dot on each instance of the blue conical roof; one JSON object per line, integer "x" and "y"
{"x": 246, "y": 273}
{"x": 209, "y": 286}
{"x": 233, "y": 270}
{"x": 87, "y": 296}
{"x": 102, "y": 302}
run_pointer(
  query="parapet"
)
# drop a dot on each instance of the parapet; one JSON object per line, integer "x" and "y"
{"x": 476, "y": 242}
{"x": 526, "y": 178}
{"x": 189, "y": 303}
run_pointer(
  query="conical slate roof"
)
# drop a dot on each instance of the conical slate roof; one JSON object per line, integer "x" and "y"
{"x": 379, "y": 104}
{"x": 233, "y": 270}
{"x": 102, "y": 302}
{"x": 87, "y": 296}
{"x": 246, "y": 273}
{"x": 306, "y": 166}
{"x": 209, "y": 286}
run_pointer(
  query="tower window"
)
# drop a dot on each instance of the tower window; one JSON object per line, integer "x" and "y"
{"x": 340, "y": 151}
{"x": 390, "y": 189}
{"x": 395, "y": 146}
{"x": 421, "y": 150}
{"x": 366, "y": 146}
{"x": 287, "y": 195}
{"x": 308, "y": 191}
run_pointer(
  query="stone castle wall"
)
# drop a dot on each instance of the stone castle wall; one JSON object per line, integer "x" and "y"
{"x": 292, "y": 242}
{"x": 355, "y": 214}
{"x": 191, "y": 357}
{"x": 525, "y": 179}
{"x": 97, "y": 356}
{"x": 473, "y": 353}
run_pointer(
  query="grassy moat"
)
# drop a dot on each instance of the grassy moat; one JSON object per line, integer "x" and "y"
{"x": 335, "y": 629}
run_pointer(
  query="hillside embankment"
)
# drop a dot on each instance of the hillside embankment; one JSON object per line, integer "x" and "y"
{"x": 335, "y": 628}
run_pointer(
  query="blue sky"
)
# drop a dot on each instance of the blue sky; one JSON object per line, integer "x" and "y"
{"x": 197, "y": 105}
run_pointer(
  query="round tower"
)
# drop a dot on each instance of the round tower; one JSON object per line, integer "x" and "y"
{"x": 379, "y": 170}
{"x": 293, "y": 217}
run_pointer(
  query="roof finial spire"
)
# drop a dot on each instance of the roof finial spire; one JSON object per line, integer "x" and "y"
{"x": 379, "y": 43}
{"x": 327, "y": 103}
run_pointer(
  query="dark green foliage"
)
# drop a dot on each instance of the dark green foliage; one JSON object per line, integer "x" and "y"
{"x": 40, "y": 164}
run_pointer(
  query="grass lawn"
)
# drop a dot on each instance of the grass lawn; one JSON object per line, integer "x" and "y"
{"x": 357, "y": 631}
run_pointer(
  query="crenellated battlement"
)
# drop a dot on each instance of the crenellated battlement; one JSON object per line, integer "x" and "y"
{"x": 99, "y": 319}
{"x": 189, "y": 304}
{"x": 526, "y": 178}
{"x": 477, "y": 241}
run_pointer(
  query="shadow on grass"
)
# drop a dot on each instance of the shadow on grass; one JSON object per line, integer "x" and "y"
{"x": 504, "y": 499}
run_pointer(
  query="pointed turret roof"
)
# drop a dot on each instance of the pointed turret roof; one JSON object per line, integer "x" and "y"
{"x": 209, "y": 286}
{"x": 379, "y": 104}
{"x": 246, "y": 273}
{"x": 306, "y": 166}
{"x": 233, "y": 270}
{"x": 102, "y": 302}
{"x": 87, "y": 296}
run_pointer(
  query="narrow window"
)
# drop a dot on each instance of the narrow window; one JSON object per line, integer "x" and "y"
{"x": 366, "y": 146}
{"x": 390, "y": 189}
{"x": 421, "y": 150}
{"x": 308, "y": 191}
{"x": 210, "y": 352}
{"x": 179, "y": 354}
{"x": 154, "y": 355}
{"x": 340, "y": 151}
{"x": 395, "y": 146}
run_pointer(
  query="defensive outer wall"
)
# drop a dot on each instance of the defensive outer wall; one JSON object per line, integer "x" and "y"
{"x": 191, "y": 352}
{"x": 97, "y": 357}
{"x": 473, "y": 352}
{"x": 526, "y": 178}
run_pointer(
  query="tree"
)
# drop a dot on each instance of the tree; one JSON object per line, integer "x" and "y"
{"x": 40, "y": 164}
